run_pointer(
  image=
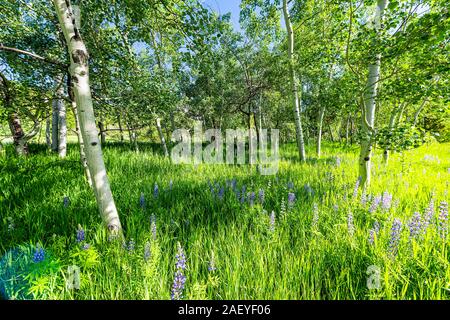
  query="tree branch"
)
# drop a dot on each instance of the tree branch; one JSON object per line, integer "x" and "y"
{"x": 34, "y": 56}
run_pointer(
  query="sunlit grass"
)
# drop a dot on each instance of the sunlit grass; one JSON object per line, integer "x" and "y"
{"x": 298, "y": 260}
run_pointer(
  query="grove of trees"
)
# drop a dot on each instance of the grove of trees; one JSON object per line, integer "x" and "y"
{"x": 373, "y": 73}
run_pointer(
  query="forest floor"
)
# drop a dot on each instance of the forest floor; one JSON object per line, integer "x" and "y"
{"x": 330, "y": 242}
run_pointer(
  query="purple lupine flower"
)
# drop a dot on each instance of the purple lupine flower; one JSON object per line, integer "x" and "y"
{"x": 386, "y": 201}
{"x": 372, "y": 234}
{"x": 243, "y": 194}
{"x": 282, "y": 207}
{"x": 272, "y": 222}
{"x": 142, "y": 201}
{"x": 395, "y": 236}
{"x": 86, "y": 246}
{"x": 233, "y": 184}
{"x": 179, "y": 279}
{"x": 443, "y": 218}
{"x": 309, "y": 191}
{"x": 376, "y": 227}
{"x": 350, "y": 225}
{"x": 415, "y": 225}
{"x": 291, "y": 199}
{"x": 147, "y": 251}
{"x": 374, "y": 204}
{"x": 153, "y": 226}
{"x": 290, "y": 185}
{"x": 80, "y": 234}
{"x": 428, "y": 215}
{"x": 212, "y": 263}
{"x": 315, "y": 219}
{"x": 363, "y": 198}
{"x": 338, "y": 161}
{"x": 66, "y": 201}
{"x": 39, "y": 254}
{"x": 155, "y": 190}
{"x": 251, "y": 198}
{"x": 131, "y": 245}
{"x": 221, "y": 193}
{"x": 355, "y": 189}
{"x": 261, "y": 196}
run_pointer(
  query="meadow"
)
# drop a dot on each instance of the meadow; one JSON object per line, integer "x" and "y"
{"x": 225, "y": 231}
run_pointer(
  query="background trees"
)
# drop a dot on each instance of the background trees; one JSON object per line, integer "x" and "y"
{"x": 159, "y": 65}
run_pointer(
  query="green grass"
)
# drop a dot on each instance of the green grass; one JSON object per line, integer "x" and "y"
{"x": 300, "y": 259}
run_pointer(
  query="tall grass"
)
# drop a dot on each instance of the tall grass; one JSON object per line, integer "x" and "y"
{"x": 308, "y": 253}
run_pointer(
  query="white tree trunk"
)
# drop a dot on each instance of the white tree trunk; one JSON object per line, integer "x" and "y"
{"x": 369, "y": 107}
{"x": 319, "y": 133}
{"x": 83, "y": 159}
{"x": 48, "y": 139}
{"x": 161, "y": 137}
{"x": 55, "y": 121}
{"x": 79, "y": 72}
{"x": 294, "y": 84}
{"x": 62, "y": 124}
{"x": 391, "y": 127}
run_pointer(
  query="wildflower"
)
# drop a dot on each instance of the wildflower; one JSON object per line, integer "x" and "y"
{"x": 372, "y": 236}
{"x": 315, "y": 219}
{"x": 364, "y": 198}
{"x": 86, "y": 246}
{"x": 153, "y": 226}
{"x": 272, "y": 222}
{"x": 39, "y": 254}
{"x": 291, "y": 199}
{"x": 80, "y": 234}
{"x": 309, "y": 191}
{"x": 66, "y": 201}
{"x": 386, "y": 201}
{"x": 243, "y": 194}
{"x": 415, "y": 225}
{"x": 290, "y": 185}
{"x": 376, "y": 227}
{"x": 335, "y": 208}
{"x": 221, "y": 193}
{"x": 374, "y": 204}
{"x": 428, "y": 215}
{"x": 395, "y": 236}
{"x": 443, "y": 218}
{"x": 155, "y": 190}
{"x": 251, "y": 198}
{"x": 212, "y": 263}
{"x": 282, "y": 207}
{"x": 350, "y": 225}
{"x": 261, "y": 196}
{"x": 147, "y": 251}
{"x": 180, "y": 279}
{"x": 233, "y": 184}
{"x": 142, "y": 201}
{"x": 355, "y": 189}
{"x": 131, "y": 245}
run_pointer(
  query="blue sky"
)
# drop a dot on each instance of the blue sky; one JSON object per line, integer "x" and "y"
{"x": 225, "y": 6}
